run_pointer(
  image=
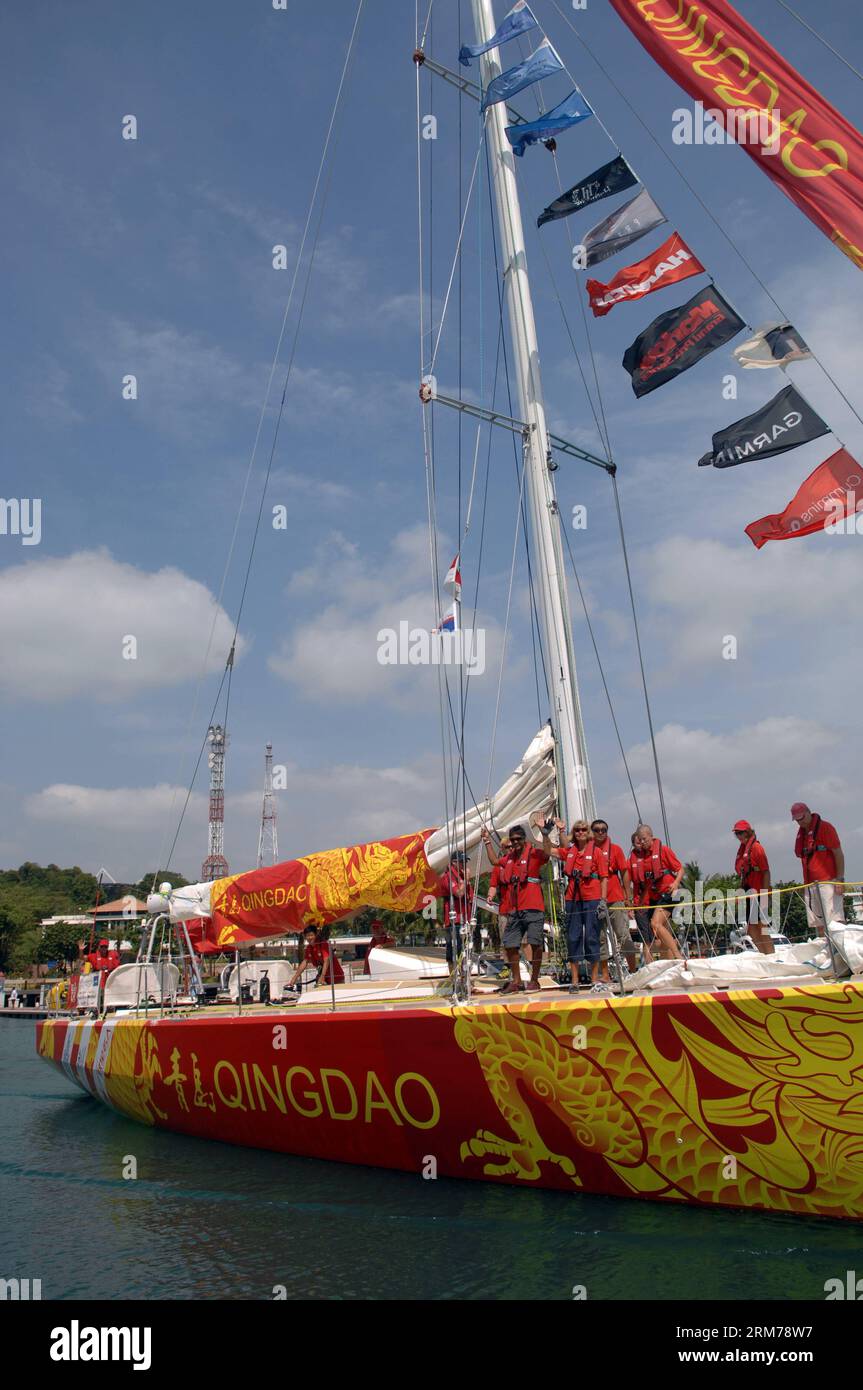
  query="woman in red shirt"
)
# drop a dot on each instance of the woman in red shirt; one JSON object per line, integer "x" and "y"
{"x": 656, "y": 874}
{"x": 753, "y": 870}
{"x": 586, "y": 873}
{"x": 318, "y": 953}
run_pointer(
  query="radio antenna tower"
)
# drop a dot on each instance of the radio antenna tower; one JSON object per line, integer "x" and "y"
{"x": 216, "y": 865}
{"x": 267, "y": 840}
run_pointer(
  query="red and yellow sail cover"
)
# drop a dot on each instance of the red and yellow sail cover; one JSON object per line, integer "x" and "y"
{"x": 321, "y": 888}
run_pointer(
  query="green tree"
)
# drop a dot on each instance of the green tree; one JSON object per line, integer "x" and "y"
{"x": 60, "y": 942}
{"x": 25, "y": 951}
{"x": 144, "y": 886}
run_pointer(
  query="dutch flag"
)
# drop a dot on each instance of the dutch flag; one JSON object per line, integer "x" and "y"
{"x": 453, "y": 579}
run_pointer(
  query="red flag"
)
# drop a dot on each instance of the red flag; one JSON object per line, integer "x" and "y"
{"x": 670, "y": 262}
{"x": 715, "y": 56}
{"x": 824, "y": 497}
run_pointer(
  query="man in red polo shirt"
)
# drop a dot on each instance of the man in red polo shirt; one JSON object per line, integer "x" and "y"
{"x": 518, "y": 877}
{"x": 820, "y": 853}
{"x": 753, "y": 870}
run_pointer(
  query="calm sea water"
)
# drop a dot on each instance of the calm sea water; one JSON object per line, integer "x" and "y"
{"x": 207, "y": 1220}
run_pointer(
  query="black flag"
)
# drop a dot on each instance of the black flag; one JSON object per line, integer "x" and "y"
{"x": 613, "y": 177}
{"x": 675, "y": 341}
{"x": 781, "y": 424}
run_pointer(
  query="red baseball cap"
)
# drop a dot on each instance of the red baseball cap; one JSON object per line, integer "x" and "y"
{"x": 741, "y": 825}
{"x": 799, "y": 809}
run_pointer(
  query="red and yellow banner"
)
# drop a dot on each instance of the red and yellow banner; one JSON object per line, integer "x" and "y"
{"x": 715, "y": 56}
{"x": 321, "y": 888}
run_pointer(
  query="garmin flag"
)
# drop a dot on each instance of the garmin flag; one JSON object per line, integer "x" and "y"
{"x": 567, "y": 113}
{"x": 772, "y": 346}
{"x": 783, "y": 423}
{"x": 518, "y": 21}
{"x": 621, "y": 228}
{"x": 675, "y": 341}
{"x": 543, "y": 62}
{"x": 613, "y": 177}
{"x": 823, "y": 499}
{"x": 670, "y": 262}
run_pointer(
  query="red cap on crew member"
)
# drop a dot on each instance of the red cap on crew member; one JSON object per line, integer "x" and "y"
{"x": 799, "y": 809}
{"x": 741, "y": 825}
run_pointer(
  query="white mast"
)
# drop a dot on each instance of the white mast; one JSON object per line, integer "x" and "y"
{"x": 574, "y": 782}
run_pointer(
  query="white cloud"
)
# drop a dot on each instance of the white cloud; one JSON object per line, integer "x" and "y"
{"x": 755, "y": 771}
{"x": 138, "y": 810}
{"x": 333, "y": 652}
{"x": 63, "y": 624}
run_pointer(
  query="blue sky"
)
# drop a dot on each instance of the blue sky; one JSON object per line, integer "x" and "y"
{"x": 154, "y": 257}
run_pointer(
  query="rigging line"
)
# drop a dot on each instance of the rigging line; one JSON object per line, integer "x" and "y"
{"x": 194, "y": 775}
{"x": 731, "y": 242}
{"x": 422, "y": 42}
{"x": 604, "y": 433}
{"x": 297, "y": 328}
{"x": 263, "y": 410}
{"x": 506, "y": 623}
{"x": 659, "y": 787}
{"x": 576, "y": 354}
{"x": 821, "y": 39}
{"x": 601, "y": 670}
{"x": 485, "y": 494}
{"x": 429, "y": 461}
{"x": 455, "y": 259}
{"x": 534, "y": 612}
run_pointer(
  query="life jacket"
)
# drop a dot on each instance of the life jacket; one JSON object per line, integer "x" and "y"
{"x": 514, "y": 876}
{"x": 742, "y": 864}
{"x": 588, "y": 871}
{"x": 648, "y": 871}
{"x": 806, "y": 843}
{"x": 603, "y": 858}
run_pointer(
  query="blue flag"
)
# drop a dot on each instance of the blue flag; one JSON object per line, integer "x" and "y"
{"x": 541, "y": 63}
{"x": 569, "y": 112}
{"x": 518, "y": 21}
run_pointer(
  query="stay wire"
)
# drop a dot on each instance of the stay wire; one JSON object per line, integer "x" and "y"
{"x": 274, "y": 365}
{"x": 601, "y": 670}
{"x": 659, "y": 787}
{"x": 821, "y": 39}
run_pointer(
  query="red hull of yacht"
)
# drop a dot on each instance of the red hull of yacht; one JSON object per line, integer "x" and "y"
{"x": 749, "y": 1099}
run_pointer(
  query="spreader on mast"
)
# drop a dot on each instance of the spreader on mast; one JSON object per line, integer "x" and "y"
{"x": 574, "y": 781}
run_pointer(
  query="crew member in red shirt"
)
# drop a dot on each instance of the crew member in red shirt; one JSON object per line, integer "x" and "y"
{"x": 819, "y": 851}
{"x": 318, "y": 952}
{"x": 656, "y": 874}
{"x": 102, "y": 958}
{"x": 519, "y": 879}
{"x": 454, "y": 889}
{"x": 613, "y": 864}
{"x": 495, "y": 859}
{"x": 586, "y": 886}
{"x": 380, "y": 937}
{"x": 753, "y": 870}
